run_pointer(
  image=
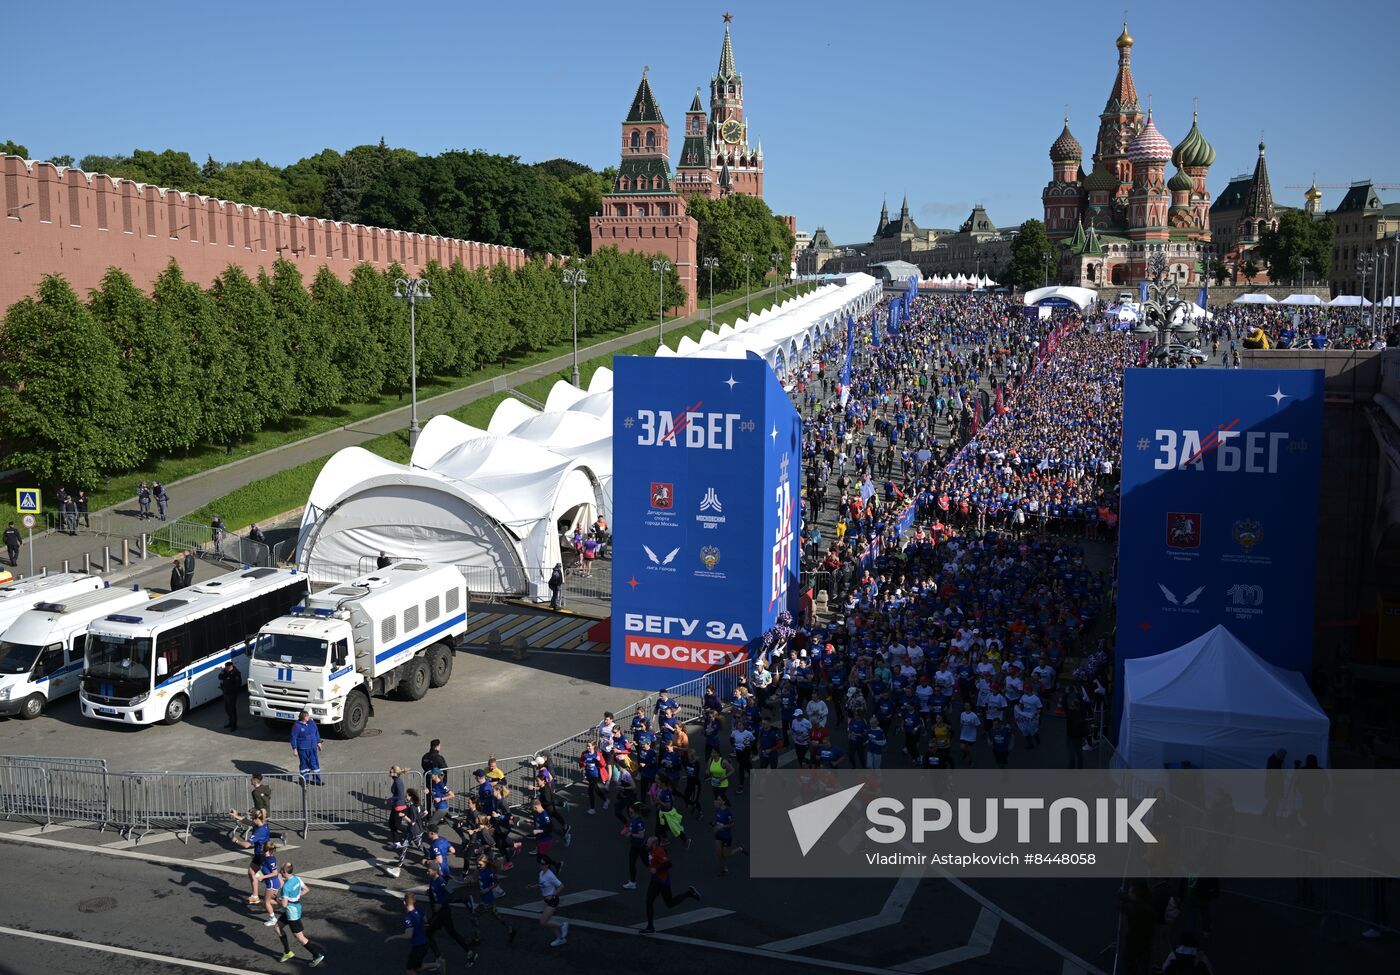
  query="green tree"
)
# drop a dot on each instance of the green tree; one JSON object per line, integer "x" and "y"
{"x": 1297, "y": 238}
{"x": 1250, "y": 270}
{"x": 315, "y": 381}
{"x": 354, "y": 350}
{"x": 62, "y": 390}
{"x": 251, "y": 321}
{"x": 170, "y": 168}
{"x": 733, "y": 226}
{"x": 385, "y": 322}
{"x": 1219, "y": 271}
{"x": 254, "y": 182}
{"x": 1029, "y": 253}
{"x": 218, "y": 400}
{"x": 11, "y": 148}
{"x": 306, "y": 181}
{"x": 154, "y": 351}
{"x": 61, "y": 160}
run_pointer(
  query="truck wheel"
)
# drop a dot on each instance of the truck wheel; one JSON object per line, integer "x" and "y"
{"x": 440, "y": 664}
{"x": 33, "y": 705}
{"x": 355, "y": 717}
{"x": 175, "y": 710}
{"x": 415, "y": 681}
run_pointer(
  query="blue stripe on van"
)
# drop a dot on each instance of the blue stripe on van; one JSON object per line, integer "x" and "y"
{"x": 425, "y": 635}
{"x": 193, "y": 671}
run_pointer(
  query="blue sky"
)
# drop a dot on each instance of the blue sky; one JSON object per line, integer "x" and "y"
{"x": 953, "y": 103}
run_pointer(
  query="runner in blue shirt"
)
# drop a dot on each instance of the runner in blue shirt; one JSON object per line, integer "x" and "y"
{"x": 490, "y": 890}
{"x": 857, "y": 737}
{"x": 440, "y": 917}
{"x": 257, "y": 841}
{"x": 770, "y": 745}
{"x": 1000, "y": 737}
{"x": 293, "y": 889}
{"x": 591, "y": 761}
{"x": 724, "y": 834}
{"x": 442, "y": 797}
{"x": 440, "y": 849}
{"x": 875, "y": 746}
{"x": 414, "y": 931}
{"x": 543, "y": 832}
{"x": 636, "y": 833}
{"x": 271, "y": 876}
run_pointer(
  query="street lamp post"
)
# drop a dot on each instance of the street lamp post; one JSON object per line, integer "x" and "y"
{"x": 1394, "y": 278}
{"x": 412, "y": 289}
{"x": 662, "y": 268}
{"x": 1365, "y": 264}
{"x": 778, "y": 271}
{"x": 710, "y": 264}
{"x": 747, "y": 258}
{"x": 1305, "y": 262}
{"x": 1045, "y": 260}
{"x": 1165, "y": 313}
{"x": 573, "y": 277}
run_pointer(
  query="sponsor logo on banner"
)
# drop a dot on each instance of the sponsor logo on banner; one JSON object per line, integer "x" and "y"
{"x": 662, "y": 495}
{"x": 709, "y": 558}
{"x": 660, "y": 563}
{"x": 1245, "y": 600}
{"x": 1178, "y": 603}
{"x": 1183, "y": 529}
{"x": 710, "y": 516}
{"x": 689, "y": 427}
{"x": 1247, "y": 533}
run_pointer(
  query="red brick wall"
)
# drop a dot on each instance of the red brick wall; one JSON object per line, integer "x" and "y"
{"x": 672, "y": 237}
{"x": 79, "y": 224}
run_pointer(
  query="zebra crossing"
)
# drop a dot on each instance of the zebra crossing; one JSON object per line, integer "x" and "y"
{"x": 537, "y": 630}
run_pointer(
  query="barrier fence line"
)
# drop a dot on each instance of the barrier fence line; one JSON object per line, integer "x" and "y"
{"x": 137, "y": 803}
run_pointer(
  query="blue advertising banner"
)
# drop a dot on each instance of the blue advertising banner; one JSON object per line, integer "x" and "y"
{"x": 706, "y": 519}
{"x": 1219, "y": 510}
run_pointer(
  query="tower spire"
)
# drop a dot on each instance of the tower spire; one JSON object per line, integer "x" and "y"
{"x": 726, "y": 54}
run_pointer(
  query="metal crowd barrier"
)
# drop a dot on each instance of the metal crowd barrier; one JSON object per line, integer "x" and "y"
{"x": 182, "y": 535}
{"x": 82, "y": 790}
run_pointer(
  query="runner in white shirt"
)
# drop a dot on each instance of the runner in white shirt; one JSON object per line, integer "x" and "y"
{"x": 967, "y": 737}
{"x": 1028, "y": 710}
{"x": 1015, "y": 686}
{"x": 1044, "y": 676}
{"x": 549, "y": 887}
{"x": 996, "y": 704}
{"x": 818, "y": 712}
{"x": 801, "y": 732}
{"x": 943, "y": 677}
{"x": 605, "y": 733}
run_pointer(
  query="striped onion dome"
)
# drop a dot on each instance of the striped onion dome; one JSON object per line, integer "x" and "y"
{"x": 1150, "y": 146}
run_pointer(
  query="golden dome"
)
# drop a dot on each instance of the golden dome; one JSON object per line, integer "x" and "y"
{"x": 1313, "y": 193}
{"x": 1125, "y": 39}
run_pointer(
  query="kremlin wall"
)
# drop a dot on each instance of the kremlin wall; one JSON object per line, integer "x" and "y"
{"x": 84, "y": 223}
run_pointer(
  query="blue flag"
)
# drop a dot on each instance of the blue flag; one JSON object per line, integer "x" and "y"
{"x": 850, "y": 354}
{"x": 1142, "y": 292}
{"x": 875, "y": 328}
{"x": 1202, "y": 297}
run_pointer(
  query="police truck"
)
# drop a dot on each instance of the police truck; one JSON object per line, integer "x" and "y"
{"x": 154, "y": 662}
{"x": 392, "y": 630}
{"x": 19, "y": 597}
{"x": 41, "y": 654}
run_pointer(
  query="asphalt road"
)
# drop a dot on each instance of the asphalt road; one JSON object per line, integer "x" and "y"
{"x": 182, "y": 901}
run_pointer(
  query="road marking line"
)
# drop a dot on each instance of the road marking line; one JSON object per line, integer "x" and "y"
{"x": 569, "y": 900}
{"x": 688, "y": 917}
{"x": 128, "y": 952}
{"x": 240, "y": 854}
{"x": 1023, "y": 927}
{"x": 156, "y": 836}
{"x": 892, "y": 913}
{"x": 1071, "y": 969}
{"x": 984, "y": 932}
{"x": 322, "y": 873}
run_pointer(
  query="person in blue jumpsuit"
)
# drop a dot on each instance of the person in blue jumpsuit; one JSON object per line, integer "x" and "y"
{"x": 306, "y": 743}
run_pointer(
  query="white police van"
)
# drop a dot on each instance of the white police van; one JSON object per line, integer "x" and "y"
{"x": 155, "y": 662}
{"x": 20, "y": 597}
{"x": 41, "y": 654}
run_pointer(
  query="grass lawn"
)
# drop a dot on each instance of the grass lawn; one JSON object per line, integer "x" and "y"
{"x": 287, "y": 489}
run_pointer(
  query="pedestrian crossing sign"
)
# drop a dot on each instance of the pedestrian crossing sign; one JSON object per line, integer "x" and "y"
{"x": 27, "y": 501}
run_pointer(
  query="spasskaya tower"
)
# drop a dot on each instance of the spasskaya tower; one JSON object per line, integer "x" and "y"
{"x": 717, "y": 157}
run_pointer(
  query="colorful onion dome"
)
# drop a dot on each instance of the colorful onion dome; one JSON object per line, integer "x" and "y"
{"x": 1150, "y": 146}
{"x": 1066, "y": 148}
{"x": 1194, "y": 150}
{"x": 1181, "y": 182}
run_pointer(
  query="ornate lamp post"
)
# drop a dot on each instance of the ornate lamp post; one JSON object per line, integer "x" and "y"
{"x": 412, "y": 289}
{"x": 1365, "y": 264}
{"x": 662, "y": 268}
{"x": 1165, "y": 313}
{"x": 573, "y": 277}
{"x": 710, "y": 263}
{"x": 747, "y": 258}
{"x": 777, "y": 270}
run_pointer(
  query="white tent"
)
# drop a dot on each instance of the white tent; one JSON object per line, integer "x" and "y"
{"x": 1391, "y": 302}
{"x": 1217, "y": 704}
{"x": 1348, "y": 301}
{"x": 495, "y": 502}
{"x": 1081, "y": 298}
{"x": 1254, "y": 299}
{"x": 1312, "y": 300}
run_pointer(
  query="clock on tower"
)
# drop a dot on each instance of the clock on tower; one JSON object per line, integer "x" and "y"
{"x": 731, "y": 131}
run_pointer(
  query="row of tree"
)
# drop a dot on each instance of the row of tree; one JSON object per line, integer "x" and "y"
{"x": 96, "y": 387}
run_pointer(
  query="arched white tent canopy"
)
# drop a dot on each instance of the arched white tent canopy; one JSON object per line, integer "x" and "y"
{"x": 1303, "y": 299}
{"x": 509, "y": 415}
{"x": 1081, "y": 298}
{"x": 495, "y": 501}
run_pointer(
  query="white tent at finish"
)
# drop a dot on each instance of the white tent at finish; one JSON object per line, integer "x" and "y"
{"x": 1215, "y": 703}
{"x": 1081, "y": 298}
{"x": 496, "y": 502}
{"x": 1309, "y": 300}
{"x": 1349, "y": 301}
{"x": 1254, "y": 299}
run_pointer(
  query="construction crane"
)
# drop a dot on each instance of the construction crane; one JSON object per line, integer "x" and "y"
{"x": 1341, "y": 186}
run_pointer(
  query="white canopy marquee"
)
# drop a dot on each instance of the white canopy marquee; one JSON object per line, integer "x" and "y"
{"x": 1081, "y": 298}
{"x": 497, "y": 502}
{"x": 1349, "y": 301}
{"x": 1255, "y": 299}
{"x": 1305, "y": 300}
